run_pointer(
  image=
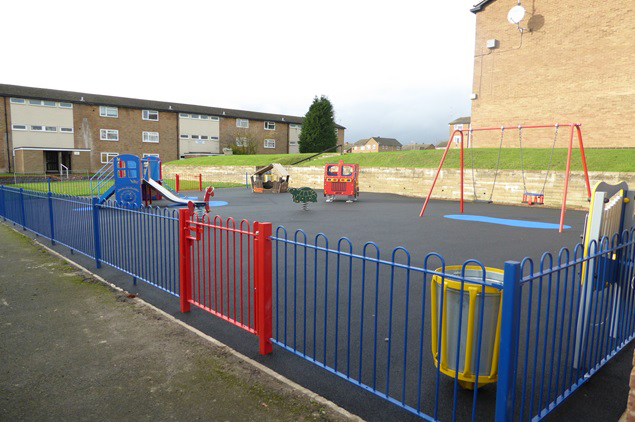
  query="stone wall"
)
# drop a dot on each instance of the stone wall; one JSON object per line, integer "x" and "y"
{"x": 416, "y": 182}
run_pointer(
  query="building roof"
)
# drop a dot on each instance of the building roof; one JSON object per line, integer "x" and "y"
{"x": 479, "y": 6}
{"x": 380, "y": 141}
{"x": 461, "y": 121}
{"x": 96, "y": 99}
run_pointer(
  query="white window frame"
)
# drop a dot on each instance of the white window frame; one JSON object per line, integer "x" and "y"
{"x": 184, "y": 115}
{"x": 43, "y": 128}
{"x": 18, "y": 101}
{"x": 147, "y": 115}
{"x": 19, "y": 127}
{"x": 66, "y": 130}
{"x": 150, "y": 155}
{"x": 147, "y": 137}
{"x": 294, "y": 143}
{"x": 104, "y": 135}
{"x": 270, "y": 143}
{"x": 204, "y": 137}
{"x": 242, "y": 142}
{"x": 242, "y": 123}
{"x": 337, "y": 131}
{"x": 458, "y": 127}
{"x": 294, "y": 126}
{"x": 214, "y": 118}
{"x": 270, "y": 125}
{"x": 184, "y": 136}
{"x": 456, "y": 139}
{"x": 103, "y": 111}
{"x": 213, "y": 138}
{"x": 195, "y": 137}
{"x": 108, "y": 156}
{"x": 66, "y": 105}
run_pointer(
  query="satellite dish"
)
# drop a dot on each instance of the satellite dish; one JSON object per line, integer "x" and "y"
{"x": 516, "y": 14}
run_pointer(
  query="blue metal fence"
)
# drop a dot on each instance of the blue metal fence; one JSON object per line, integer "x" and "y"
{"x": 142, "y": 242}
{"x": 367, "y": 319}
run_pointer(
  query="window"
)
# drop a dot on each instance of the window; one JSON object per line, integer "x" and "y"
{"x": 39, "y": 128}
{"x": 214, "y": 138}
{"x": 244, "y": 123}
{"x": 241, "y": 142}
{"x": 458, "y": 127}
{"x": 398, "y": 148}
{"x": 150, "y": 155}
{"x": 19, "y": 127}
{"x": 295, "y": 126}
{"x": 150, "y": 115}
{"x": 270, "y": 125}
{"x": 367, "y": 147}
{"x": 214, "y": 118}
{"x": 105, "y": 111}
{"x": 457, "y": 139}
{"x": 184, "y": 115}
{"x": 294, "y": 143}
{"x": 185, "y": 136}
{"x": 66, "y": 105}
{"x": 42, "y": 103}
{"x": 66, "y": 129}
{"x": 151, "y": 137}
{"x": 203, "y": 136}
{"x": 195, "y": 116}
{"x": 194, "y": 136}
{"x": 106, "y": 157}
{"x": 18, "y": 101}
{"x": 337, "y": 131}
{"x": 270, "y": 143}
{"x": 374, "y": 146}
{"x": 108, "y": 134}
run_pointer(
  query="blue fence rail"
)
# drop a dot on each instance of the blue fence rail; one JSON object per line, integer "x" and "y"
{"x": 367, "y": 317}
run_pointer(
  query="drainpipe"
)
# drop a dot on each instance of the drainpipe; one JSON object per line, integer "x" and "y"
{"x": 6, "y": 122}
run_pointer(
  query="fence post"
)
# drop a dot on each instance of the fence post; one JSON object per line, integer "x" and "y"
{"x": 22, "y": 211}
{"x": 95, "y": 202}
{"x": 51, "y": 219}
{"x": 176, "y": 183}
{"x": 185, "y": 277}
{"x": 263, "y": 287}
{"x": 200, "y": 182}
{"x": 508, "y": 347}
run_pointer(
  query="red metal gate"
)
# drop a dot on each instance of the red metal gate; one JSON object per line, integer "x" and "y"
{"x": 226, "y": 271}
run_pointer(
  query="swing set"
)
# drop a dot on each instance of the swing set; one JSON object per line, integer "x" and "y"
{"x": 529, "y": 198}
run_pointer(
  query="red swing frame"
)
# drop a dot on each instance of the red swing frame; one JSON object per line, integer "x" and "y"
{"x": 574, "y": 128}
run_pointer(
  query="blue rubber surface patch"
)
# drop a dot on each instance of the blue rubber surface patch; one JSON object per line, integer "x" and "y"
{"x": 218, "y": 203}
{"x": 506, "y": 222}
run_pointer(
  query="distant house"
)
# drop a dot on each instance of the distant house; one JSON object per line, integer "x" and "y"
{"x": 376, "y": 144}
{"x": 459, "y": 124}
{"x": 417, "y": 147}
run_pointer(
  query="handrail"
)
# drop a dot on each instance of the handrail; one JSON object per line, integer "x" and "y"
{"x": 62, "y": 169}
{"x": 103, "y": 175}
{"x": 315, "y": 155}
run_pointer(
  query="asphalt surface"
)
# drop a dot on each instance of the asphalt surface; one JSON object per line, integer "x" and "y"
{"x": 392, "y": 221}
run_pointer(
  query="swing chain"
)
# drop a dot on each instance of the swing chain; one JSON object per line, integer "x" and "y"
{"x": 553, "y": 147}
{"x": 500, "y": 146}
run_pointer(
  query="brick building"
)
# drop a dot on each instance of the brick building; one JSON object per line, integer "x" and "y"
{"x": 376, "y": 144}
{"x": 48, "y": 130}
{"x": 567, "y": 61}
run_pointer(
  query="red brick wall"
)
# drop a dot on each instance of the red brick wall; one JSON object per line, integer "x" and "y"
{"x": 131, "y": 126}
{"x": 571, "y": 65}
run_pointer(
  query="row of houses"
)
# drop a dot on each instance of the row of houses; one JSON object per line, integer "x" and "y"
{"x": 46, "y": 130}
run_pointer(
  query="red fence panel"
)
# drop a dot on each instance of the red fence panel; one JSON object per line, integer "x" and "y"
{"x": 226, "y": 271}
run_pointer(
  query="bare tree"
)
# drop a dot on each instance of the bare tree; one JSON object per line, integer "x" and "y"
{"x": 242, "y": 141}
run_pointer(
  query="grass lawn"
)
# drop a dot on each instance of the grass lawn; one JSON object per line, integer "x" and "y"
{"x": 613, "y": 160}
{"x": 240, "y": 160}
{"x": 82, "y": 187}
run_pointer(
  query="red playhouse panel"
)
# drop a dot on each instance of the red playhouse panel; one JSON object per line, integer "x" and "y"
{"x": 341, "y": 179}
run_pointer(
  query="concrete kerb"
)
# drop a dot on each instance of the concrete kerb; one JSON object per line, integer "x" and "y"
{"x": 310, "y": 394}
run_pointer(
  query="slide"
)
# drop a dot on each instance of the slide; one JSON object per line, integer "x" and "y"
{"x": 167, "y": 194}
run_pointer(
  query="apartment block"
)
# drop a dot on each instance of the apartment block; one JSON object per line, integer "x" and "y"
{"x": 566, "y": 61}
{"x": 45, "y": 130}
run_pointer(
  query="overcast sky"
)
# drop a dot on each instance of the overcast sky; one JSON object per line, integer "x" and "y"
{"x": 400, "y": 69}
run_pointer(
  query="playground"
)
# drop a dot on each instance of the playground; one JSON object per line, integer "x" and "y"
{"x": 338, "y": 302}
